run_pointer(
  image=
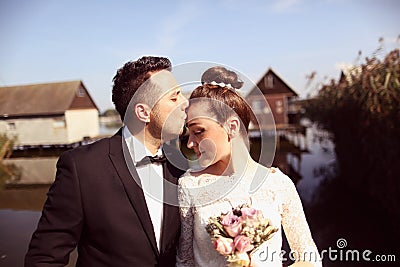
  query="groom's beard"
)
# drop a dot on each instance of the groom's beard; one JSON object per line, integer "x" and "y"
{"x": 168, "y": 131}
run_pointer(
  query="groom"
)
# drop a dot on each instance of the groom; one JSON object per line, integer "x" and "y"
{"x": 106, "y": 196}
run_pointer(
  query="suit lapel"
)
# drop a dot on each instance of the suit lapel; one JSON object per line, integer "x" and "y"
{"x": 131, "y": 183}
{"x": 171, "y": 220}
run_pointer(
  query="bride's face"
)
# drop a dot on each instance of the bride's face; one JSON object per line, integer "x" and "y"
{"x": 208, "y": 139}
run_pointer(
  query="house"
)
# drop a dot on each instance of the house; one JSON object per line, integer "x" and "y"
{"x": 48, "y": 114}
{"x": 278, "y": 95}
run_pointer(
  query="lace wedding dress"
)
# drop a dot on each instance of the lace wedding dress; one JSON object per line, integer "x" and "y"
{"x": 206, "y": 195}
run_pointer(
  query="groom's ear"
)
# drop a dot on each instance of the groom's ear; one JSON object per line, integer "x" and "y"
{"x": 142, "y": 112}
{"x": 233, "y": 126}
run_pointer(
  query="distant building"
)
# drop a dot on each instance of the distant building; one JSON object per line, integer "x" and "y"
{"x": 46, "y": 114}
{"x": 350, "y": 73}
{"x": 278, "y": 95}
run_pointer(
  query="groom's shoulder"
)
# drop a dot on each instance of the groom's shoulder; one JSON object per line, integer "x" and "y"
{"x": 95, "y": 149}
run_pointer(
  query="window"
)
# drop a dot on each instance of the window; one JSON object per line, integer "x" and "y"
{"x": 59, "y": 124}
{"x": 279, "y": 106}
{"x": 257, "y": 106}
{"x": 81, "y": 92}
{"x": 12, "y": 126}
{"x": 269, "y": 81}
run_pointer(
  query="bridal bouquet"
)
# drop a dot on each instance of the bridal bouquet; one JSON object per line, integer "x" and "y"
{"x": 238, "y": 233}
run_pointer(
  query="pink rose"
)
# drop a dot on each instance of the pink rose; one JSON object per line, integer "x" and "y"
{"x": 249, "y": 213}
{"x": 251, "y": 216}
{"x": 243, "y": 243}
{"x": 224, "y": 245}
{"x": 232, "y": 224}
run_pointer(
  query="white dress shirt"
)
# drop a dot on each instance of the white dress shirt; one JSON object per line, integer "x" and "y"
{"x": 151, "y": 178}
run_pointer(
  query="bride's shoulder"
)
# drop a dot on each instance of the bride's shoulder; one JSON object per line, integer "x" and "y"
{"x": 277, "y": 179}
{"x": 188, "y": 179}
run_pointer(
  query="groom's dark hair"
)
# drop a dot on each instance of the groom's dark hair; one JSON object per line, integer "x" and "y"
{"x": 131, "y": 76}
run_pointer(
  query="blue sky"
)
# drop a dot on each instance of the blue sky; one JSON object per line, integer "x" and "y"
{"x": 48, "y": 41}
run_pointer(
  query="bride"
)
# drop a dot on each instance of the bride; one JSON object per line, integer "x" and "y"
{"x": 218, "y": 120}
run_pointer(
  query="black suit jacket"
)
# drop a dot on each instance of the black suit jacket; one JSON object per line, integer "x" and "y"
{"x": 96, "y": 205}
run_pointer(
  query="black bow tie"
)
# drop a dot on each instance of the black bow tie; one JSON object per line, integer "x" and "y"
{"x": 150, "y": 159}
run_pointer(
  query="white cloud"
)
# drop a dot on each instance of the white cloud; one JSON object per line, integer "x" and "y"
{"x": 285, "y": 5}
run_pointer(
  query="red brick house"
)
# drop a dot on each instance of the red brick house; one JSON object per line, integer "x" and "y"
{"x": 278, "y": 95}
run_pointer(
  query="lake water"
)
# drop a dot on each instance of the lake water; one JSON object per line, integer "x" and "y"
{"x": 336, "y": 215}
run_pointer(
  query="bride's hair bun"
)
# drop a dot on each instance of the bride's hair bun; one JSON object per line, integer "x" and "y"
{"x": 221, "y": 76}
{"x": 221, "y": 85}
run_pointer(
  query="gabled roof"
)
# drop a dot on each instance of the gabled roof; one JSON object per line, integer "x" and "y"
{"x": 41, "y": 99}
{"x": 279, "y": 85}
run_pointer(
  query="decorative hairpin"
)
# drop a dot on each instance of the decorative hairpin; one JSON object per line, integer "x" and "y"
{"x": 227, "y": 85}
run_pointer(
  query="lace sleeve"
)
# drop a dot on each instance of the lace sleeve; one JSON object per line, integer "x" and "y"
{"x": 296, "y": 227}
{"x": 185, "y": 256}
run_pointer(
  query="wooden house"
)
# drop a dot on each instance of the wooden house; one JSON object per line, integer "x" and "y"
{"x": 48, "y": 114}
{"x": 278, "y": 94}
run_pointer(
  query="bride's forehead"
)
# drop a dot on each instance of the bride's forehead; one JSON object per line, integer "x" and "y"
{"x": 202, "y": 120}
{"x": 198, "y": 110}
{"x": 200, "y": 114}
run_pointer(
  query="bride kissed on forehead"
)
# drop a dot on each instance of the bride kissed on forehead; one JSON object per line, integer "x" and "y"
{"x": 224, "y": 222}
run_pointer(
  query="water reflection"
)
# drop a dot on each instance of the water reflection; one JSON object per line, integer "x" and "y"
{"x": 321, "y": 155}
{"x": 32, "y": 171}
{"x": 22, "y": 198}
{"x": 336, "y": 212}
{"x": 16, "y": 228}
